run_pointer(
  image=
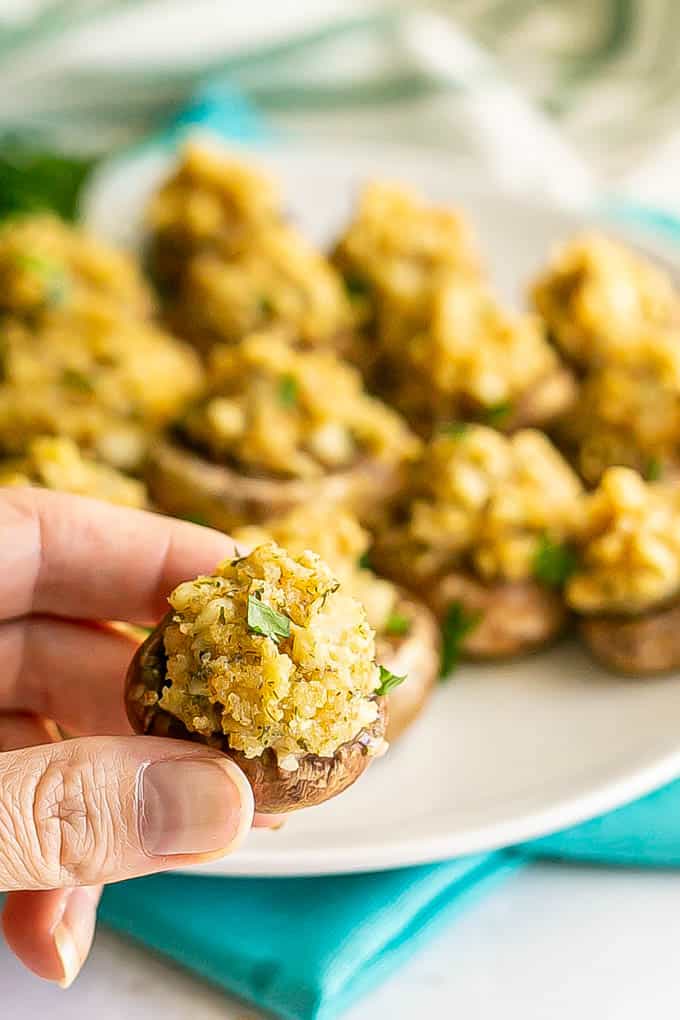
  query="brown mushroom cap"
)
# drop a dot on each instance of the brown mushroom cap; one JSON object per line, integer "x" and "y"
{"x": 415, "y": 655}
{"x": 183, "y": 483}
{"x": 515, "y": 617}
{"x": 275, "y": 790}
{"x": 645, "y": 644}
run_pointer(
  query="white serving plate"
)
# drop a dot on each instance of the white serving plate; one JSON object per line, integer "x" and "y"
{"x": 504, "y": 753}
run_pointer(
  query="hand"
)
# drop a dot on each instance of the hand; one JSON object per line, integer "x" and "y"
{"x": 92, "y": 809}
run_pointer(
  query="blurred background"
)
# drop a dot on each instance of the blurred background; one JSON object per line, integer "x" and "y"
{"x": 568, "y": 93}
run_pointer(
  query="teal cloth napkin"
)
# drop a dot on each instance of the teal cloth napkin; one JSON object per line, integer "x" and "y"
{"x": 306, "y": 948}
{"x": 302, "y": 948}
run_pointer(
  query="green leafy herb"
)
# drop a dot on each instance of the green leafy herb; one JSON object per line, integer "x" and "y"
{"x": 264, "y": 620}
{"x": 76, "y": 380}
{"x": 364, "y": 561}
{"x": 288, "y": 391}
{"x": 388, "y": 681}
{"x": 496, "y": 415}
{"x": 356, "y": 286}
{"x": 397, "y": 623}
{"x": 454, "y": 428}
{"x": 53, "y": 276}
{"x": 265, "y": 306}
{"x": 32, "y": 180}
{"x": 458, "y": 624}
{"x": 654, "y": 470}
{"x": 196, "y": 519}
{"x": 554, "y": 562}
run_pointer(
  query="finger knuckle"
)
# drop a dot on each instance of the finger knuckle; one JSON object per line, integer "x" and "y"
{"x": 73, "y": 808}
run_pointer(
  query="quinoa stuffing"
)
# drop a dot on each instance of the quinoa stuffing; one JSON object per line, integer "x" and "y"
{"x": 485, "y": 502}
{"x": 270, "y": 652}
{"x": 338, "y": 537}
{"x": 629, "y": 546}
{"x": 628, "y": 412}
{"x": 212, "y": 202}
{"x": 277, "y": 411}
{"x": 103, "y": 379}
{"x": 47, "y": 265}
{"x": 277, "y": 278}
{"x": 597, "y": 296}
{"x": 57, "y": 463}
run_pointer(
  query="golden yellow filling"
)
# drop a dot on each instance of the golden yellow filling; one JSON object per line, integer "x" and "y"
{"x": 270, "y": 652}
{"x": 90, "y": 373}
{"x": 485, "y": 501}
{"x": 470, "y": 355}
{"x": 278, "y": 278}
{"x": 296, "y": 414}
{"x": 57, "y": 463}
{"x": 597, "y": 295}
{"x": 46, "y": 264}
{"x": 211, "y": 202}
{"x": 629, "y": 546}
{"x": 337, "y": 536}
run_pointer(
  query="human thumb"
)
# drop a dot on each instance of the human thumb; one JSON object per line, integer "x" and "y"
{"x": 101, "y": 809}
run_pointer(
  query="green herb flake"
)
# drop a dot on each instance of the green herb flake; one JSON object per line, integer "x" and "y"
{"x": 554, "y": 562}
{"x": 397, "y": 624}
{"x": 288, "y": 391}
{"x": 654, "y": 470}
{"x": 52, "y": 273}
{"x": 265, "y": 306}
{"x": 496, "y": 415}
{"x": 458, "y": 624}
{"x": 356, "y": 286}
{"x": 196, "y": 519}
{"x": 76, "y": 380}
{"x": 364, "y": 561}
{"x": 264, "y": 620}
{"x": 454, "y": 428}
{"x": 388, "y": 681}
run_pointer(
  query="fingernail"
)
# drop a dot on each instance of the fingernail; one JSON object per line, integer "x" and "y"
{"x": 74, "y": 933}
{"x": 193, "y": 806}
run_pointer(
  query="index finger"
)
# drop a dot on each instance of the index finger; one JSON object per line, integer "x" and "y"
{"x": 76, "y": 557}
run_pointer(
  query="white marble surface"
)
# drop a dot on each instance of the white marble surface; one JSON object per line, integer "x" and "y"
{"x": 552, "y": 943}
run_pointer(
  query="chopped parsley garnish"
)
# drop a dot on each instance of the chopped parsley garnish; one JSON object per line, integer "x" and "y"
{"x": 264, "y": 620}
{"x": 31, "y": 179}
{"x": 554, "y": 562}
{"x": 496, "y": 415}
{"x": 196, "y": 519}
{"x": 397, "y": 623}
{"x": 288, "y": 391}
{"x": 458, "y": 624}
{"x": 388, "y": 681}
{"x": 364, "y": 561}
{"x": 76, "y": 380}
{"x": 265, "y": 305}
{"x": 454, "y": 428}
{"x": 654, "y": 470}
{"x": 356, "y": 286}
{"x": 53, "y": 276}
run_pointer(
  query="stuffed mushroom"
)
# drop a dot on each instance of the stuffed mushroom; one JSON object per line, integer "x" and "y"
{"x": 597, "y": 296}
{"x": 627, "y": 586}
{"x": 280, "y": 428}
{"x": 56, "y": 462}
{"x": 407, "y": 634}
{"x": 270, "y": 661}
{"x": 484, "y": 539}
